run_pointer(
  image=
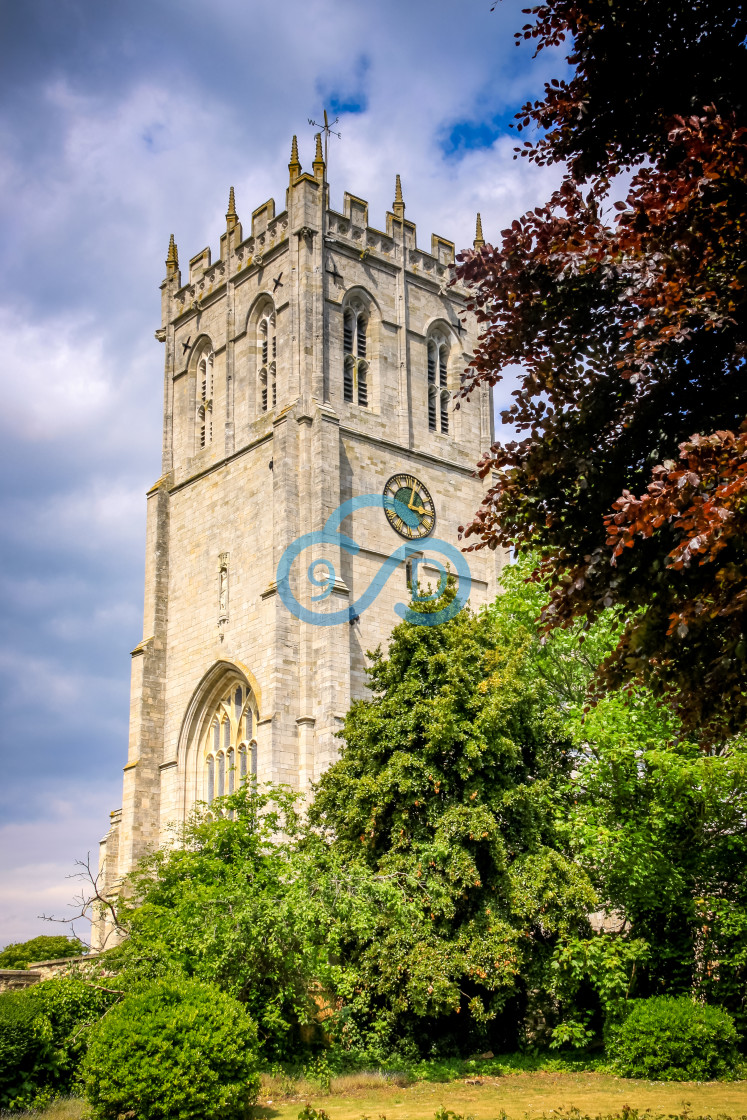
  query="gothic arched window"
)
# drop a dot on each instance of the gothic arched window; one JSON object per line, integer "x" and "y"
{"x": 267, "y": 350}
{"x": 438, "y": 384}
{"x": 355, "y": 363}
{"x": 229, "y": 748}
{"x": 204, "y": 418}
{"x": 231, "y": 769}
{"x": 210, "y": 778}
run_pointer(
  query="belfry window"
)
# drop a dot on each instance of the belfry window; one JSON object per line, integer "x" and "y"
{"x": 438, "y": 385}
{"x": 230, "y": 751}
{"x": 267, "y": 349}
{"x": 204, "y": 420}
{"x": 355, "y": 362}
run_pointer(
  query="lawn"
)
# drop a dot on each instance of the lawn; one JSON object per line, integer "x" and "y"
{"x": 520, "y": 1096}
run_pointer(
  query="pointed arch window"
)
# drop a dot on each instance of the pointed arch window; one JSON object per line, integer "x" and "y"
{"x": 355, "y": 385}
{"x": 267, "y": 350}
{"x": 230, "y": 751}
{"x": 230, "y": 755}
{"x": 204, "y": 418}
{"x": 438, "y": 384}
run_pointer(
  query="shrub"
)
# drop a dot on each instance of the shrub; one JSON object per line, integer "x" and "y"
{"x": 26, "y": 1052}
{"x": 72, "y": 1006}
{"x": 45, "y": 948}
{"x": 173, "y": 1050}
{"x": 674, "y": 1039}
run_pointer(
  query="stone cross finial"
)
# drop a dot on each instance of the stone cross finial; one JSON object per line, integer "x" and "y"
{"x": 231, "y": 215}
{"x": 172, "y": 258}
{"x": 479, "y": 239}
{"x": 294, "y": 167}
{"x": 398, "y": 206}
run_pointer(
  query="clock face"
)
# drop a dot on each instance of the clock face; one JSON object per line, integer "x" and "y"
{"x": 409, "y": 507}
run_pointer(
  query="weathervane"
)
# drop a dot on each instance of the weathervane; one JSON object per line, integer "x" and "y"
{"x": 328, "y": 129}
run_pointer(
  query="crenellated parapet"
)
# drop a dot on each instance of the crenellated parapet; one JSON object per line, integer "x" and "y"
{"x": 394, "y": 246}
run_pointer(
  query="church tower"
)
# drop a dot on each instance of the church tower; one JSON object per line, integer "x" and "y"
{"x": 312, "y": 364}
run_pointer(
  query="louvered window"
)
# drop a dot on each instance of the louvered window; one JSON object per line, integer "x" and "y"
{"x": 267, "y": 350}
{"x": 438, "y": 385}
{"x": 355, "y": 386}
{"x": 204, "y": 411}
{"x": 444, "y": 394}
{"x": 432, "y": 401}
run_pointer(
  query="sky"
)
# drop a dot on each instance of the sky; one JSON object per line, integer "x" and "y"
{"x": 121, "y": 123}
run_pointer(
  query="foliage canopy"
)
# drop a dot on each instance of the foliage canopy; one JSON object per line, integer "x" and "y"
{"x": 629, "y": 470}
{"x": 446, "y": 784}
{"x": 44, "y": 948}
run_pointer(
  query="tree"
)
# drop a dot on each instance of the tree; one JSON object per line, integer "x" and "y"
{"x": 629, "y": 470}
{"x": 657, "y": 822}
{"x": 44, "y": 948}
{"x": 660, "y": 826}
{"x": 446, "y": 785}
{"x": 235, "y": 902}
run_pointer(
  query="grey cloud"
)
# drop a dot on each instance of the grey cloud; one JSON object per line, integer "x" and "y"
{"x": 122, "y": 123}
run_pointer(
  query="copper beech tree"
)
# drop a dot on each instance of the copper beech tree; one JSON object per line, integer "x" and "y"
{"x": 628, "y": 319}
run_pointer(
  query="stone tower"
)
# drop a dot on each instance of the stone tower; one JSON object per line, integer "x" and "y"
{"x": 311, "y": 363}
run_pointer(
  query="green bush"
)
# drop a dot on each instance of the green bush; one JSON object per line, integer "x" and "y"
{"x": 72, "y": 1005}
{"x": 173, "y": 1050}
{"x": 45, "y": 948}
{"x": 27, "y": 1059}
{"x": 43, "y": 1037}
{"x": 674, "y": 1039}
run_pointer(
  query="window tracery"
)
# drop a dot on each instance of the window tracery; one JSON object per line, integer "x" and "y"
{"x": 355, "y": 364}
{"x": 438, "y": 384}
{"x": 230, "y": 749}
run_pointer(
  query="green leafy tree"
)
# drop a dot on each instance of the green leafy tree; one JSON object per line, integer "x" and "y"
{"x": 658, "y": 823}
{"x": 27, "y": 1058}
{"x": 44, "y": 1033}
{"x": 45, "y": 948}
{"x": 72, "y": 1005}
{"x": 628, "y": 472}
{"x": 447, "y": 786}
{"x": 661, "y": 826}
{"x": 233, "y": 902}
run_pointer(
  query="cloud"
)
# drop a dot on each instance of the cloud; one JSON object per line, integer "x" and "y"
{"x": 120, "y": 124}
{"x": 38, "y": 864}
{"x": 55, "y": 382}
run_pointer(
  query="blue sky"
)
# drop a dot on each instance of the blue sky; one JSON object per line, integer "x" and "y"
{"x": 119, "y": 124}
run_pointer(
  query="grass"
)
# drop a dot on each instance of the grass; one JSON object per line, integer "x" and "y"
{"x": 530, "y": 1095}
{"x": 517, "y": 1096}
{"x": 65, "y": 1108}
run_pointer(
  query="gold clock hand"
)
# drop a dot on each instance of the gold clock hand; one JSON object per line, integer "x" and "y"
{"x": 412, "y": 499}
